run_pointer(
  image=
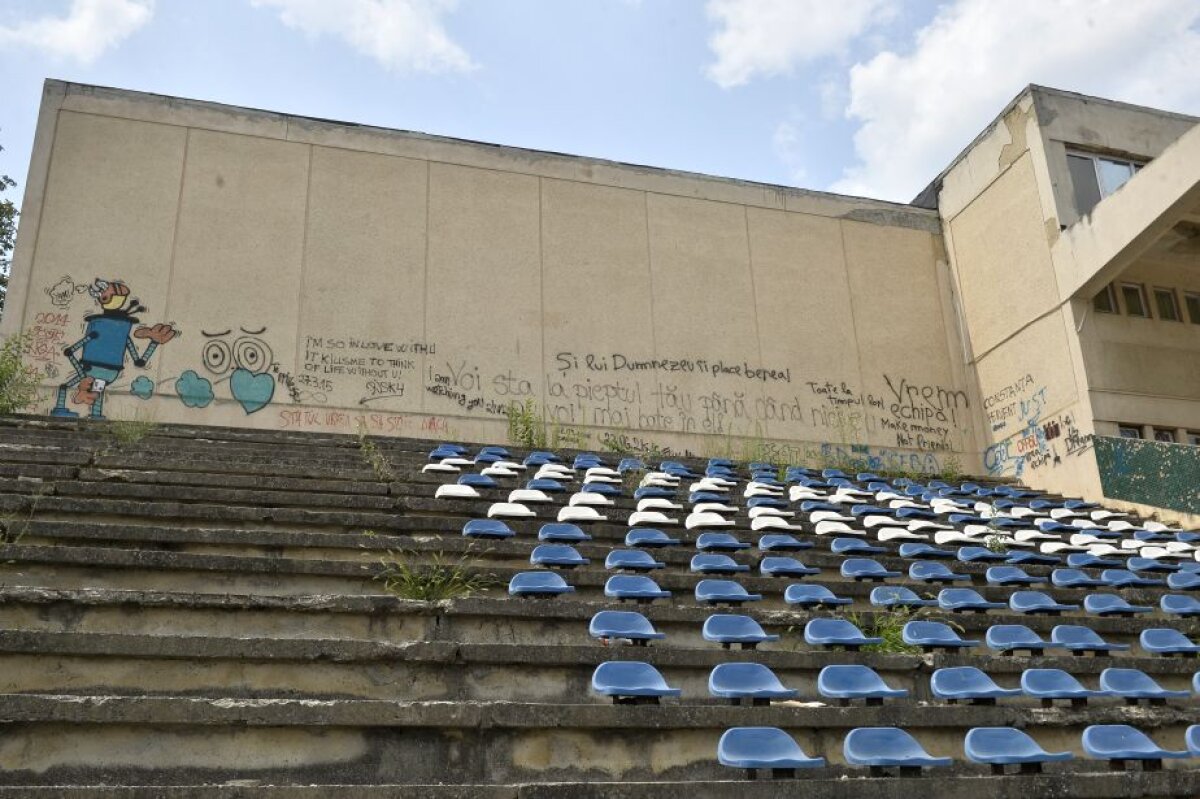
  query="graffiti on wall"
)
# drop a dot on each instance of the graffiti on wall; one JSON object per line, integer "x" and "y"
{"x": 1150, "y": 472}
{"x": 1038, "y": 440}
{"x": 239, "y": 360}
{"x": 110, "y": 341}
{"x": 341, "y": 381}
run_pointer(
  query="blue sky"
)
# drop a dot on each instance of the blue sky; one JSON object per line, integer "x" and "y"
{"x": 869, "y": 97}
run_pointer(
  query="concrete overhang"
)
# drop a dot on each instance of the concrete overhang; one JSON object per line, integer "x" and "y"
{"x": 1157, "y": 212}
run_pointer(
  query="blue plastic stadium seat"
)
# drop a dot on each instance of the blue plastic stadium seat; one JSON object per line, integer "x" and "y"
{"x": 1010, "y": 575}
{"x": 617, "y": 624}
{"x": 835, "y": 633}
{"x": 781, "y": 542}
{"x": 723, "y": 592}
{"x": 1180, "y": 605}
{"x": 1010, "y": 638}
{"x": 917, "y": 549}
{"x": 927, "y": 571}
{"x": 974, "y": 554}
{"x": 859, "y": 569}
{"x": 653, "y": 492}
{"x": 1005, "y": 746}
{"x": 752, "y": 748}
{"x": 778, "y": 566}
{"x": 716, "y": 563}
{"x": 1035, "y": 602}
{"x": 477, "y": 481}
{"x": 1119, "y": 743}
{"x": 719, "y": 542}
{"x": 753, "y": 681}
{"x": 854, "y": 546}
{"x": 631, "y": 682}
{"x": 1123, "y": 578}
{"x": 728, "y": 629}
{"x": 538, "y": 584}
{"x": 853, "y": 681}
{"x": 1133, "y": 684}
{"x": 1026, "y": 556}
{"x": 649, "y": 538}
{"x": 1140, "y": 564}
{"x": 545, "y": 484}
{"x": 883, "y": 747}
{"x": 1086, "y": 560}
{"x": 487, "y": 528}
{"x": 1074, "y": 578}
{"x": 933, "y": 635}
{"x": 813, "y": 596}
{"x": 1112, "y": 605}
{"x": 635, "y": 587}
{"x": 962, "y": 600}
{"x": 1166, "y": 641}
{"x": 561, "y": 556}
{"x": 1192, "y": 737}
{"x": 1184, "y": 581}
{"x": 631, "y": 465}
{"x": 1079, "y": 640}
{"x": 1050, "y": 684}
{"x": 967, "y": 683}
{"x": 897, "y": 596}
{"x": 562, "y": 533}
{"x": 632, "y": 560}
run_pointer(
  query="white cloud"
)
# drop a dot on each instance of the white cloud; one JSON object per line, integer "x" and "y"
{"x": 402, "y": 35}
{"x": 918, "y": 109}
{"x": 89, "y": 29}
{"x": 772, "y": 37}
{"x": 788, "y": 144}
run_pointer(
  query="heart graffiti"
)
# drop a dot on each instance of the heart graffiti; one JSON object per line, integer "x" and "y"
{"x": 252, "y": 391}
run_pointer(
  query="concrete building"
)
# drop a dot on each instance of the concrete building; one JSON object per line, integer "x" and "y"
{"x": 191, "y": 262}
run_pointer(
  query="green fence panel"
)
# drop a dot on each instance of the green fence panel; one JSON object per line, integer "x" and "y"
{"x": 1150, "y": 472}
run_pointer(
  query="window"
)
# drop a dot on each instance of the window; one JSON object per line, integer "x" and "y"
{"x": 1135, "y": 299}
{"x": 1106, "y": 300}
{"x": 1094, "y": 177}
{"x": 1167, "y": 305}
{"x": 1193, "y": 437}
{"x": 1192, "y": 301}
{"x": 1164, "y": 434}
{"x": 1129, "y": 431}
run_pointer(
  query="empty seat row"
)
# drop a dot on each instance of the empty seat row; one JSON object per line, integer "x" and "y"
{"x": 880, "y": 748}
{"x": 630, "y": 680}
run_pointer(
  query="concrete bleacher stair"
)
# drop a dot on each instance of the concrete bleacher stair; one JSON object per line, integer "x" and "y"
{"x": 196, "y": 614}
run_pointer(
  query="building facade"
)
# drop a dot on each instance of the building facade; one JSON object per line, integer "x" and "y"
{"x": 191, "y": 262}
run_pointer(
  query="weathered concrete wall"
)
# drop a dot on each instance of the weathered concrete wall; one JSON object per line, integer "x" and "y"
{"x": 317, "y": 274}
{"x": 1049, "y": 370}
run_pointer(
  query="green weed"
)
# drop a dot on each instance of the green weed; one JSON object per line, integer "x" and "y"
{"x": 437, "y": 578}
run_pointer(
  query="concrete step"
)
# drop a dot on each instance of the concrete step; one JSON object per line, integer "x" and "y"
{"x": 157, "y": 739}
{"x": 1068, "y": 784}
{"x": 152, "y": 569}
{"x": 249, "y": 666}
{"x": 430, "y": 536}
{"x": 475, "y": 620}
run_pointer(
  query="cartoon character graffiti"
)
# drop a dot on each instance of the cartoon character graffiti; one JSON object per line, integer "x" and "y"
{"x": 99, "y": 357}
{"x": 246, "y": 361}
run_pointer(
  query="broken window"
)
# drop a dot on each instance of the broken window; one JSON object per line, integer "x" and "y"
{"x": 1106, "y": 300}
{"x": 1094, "y": 177}
{"x": 1135, "y": 299}
{"x": 1192, "y": 301}
{"x": 1168, "y": 306}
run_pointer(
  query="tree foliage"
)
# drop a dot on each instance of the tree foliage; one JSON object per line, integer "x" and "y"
{"x": 8, "y": 233}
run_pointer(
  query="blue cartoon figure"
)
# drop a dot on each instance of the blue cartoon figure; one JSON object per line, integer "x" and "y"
{"x": 99, "y": 357}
